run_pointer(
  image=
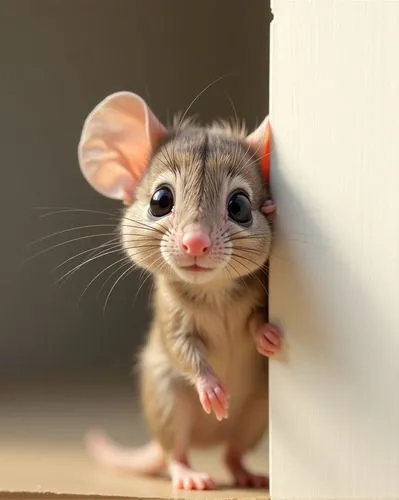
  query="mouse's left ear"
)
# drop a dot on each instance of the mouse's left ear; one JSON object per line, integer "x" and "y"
{"x": 116, "y": 143}
{"x": 260, "y": 140}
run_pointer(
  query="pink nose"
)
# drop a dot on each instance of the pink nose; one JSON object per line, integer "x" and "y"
{"x": 195, "y": 243}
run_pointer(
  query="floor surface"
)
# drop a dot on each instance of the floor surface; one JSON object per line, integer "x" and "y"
{"x": 41, "y": 450}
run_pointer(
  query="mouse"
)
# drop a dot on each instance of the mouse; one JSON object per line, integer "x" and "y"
{"x": 198, "y": 217}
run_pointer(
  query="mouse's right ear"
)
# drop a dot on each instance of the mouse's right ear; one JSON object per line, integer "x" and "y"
{"x": 260, "y": 140}
{"x": 116, "y": 143}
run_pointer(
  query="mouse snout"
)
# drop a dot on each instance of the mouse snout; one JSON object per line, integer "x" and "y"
{"x": 195, "y": 241}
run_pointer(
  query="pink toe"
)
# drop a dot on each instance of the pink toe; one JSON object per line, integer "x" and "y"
{"x": 216, "y": 406}
{"x": 205, "y": 402}
{"x": 271, "y": 328}
{"x": 210, "y": 484}
{"x": 223, "y": 402}
{"x": 272, "y": 337}
{"x": 188, "y": 483}
{"x": 265, "y": 352}
{"x": 267, "y": 345}
{"x": 178, "y": 483}
{"x": 269, "y": 207}
{"x": 201, "y": 484}
{"x": 268, "y": 340}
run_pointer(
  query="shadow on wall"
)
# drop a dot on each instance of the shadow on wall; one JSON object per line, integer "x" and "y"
{"x": 58, "y": 60}
{"x": 310, "y": 310}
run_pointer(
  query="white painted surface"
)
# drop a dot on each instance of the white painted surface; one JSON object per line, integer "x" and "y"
{"x": 335, "y": 270}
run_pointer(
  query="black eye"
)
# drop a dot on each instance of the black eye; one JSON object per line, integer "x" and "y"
{"x": 161, "y": 203}
{"x": 239, "y": 208}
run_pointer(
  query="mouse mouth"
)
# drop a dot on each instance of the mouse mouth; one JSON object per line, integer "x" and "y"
{"x": 196, "y": 268}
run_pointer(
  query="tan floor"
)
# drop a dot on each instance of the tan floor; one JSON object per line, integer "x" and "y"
{"x": 41, "y": 450}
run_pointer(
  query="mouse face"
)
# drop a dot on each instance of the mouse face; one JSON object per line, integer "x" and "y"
{"x": 194, "y": 194}
{"x": 196, "y": 214}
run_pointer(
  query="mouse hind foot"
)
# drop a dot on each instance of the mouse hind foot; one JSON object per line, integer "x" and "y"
{"x": 185, "y": 478}
{"x": 243, "y": 478}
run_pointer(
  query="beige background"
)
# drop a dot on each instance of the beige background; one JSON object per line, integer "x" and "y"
{"x": 58, "y": 58}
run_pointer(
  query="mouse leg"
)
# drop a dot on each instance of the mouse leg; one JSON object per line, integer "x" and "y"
{"x": 182, "y": 475}
{"x": 189, "y": 353}
{"x": 268, "y": 339}
{"x": 249, "y": 431}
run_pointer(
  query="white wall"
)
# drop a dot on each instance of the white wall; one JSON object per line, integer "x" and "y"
{"x": 335, "y": 270}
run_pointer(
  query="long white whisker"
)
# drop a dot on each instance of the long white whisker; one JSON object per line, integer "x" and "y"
{"x": 125, "y": 273}
{"x": 65, "y": 243}
{"x": 197, "y": 97}
{"x": 103, "y": 245}
{"x": 146, "y": 278}
{"x": 59, "y": 210}
{"x": 89, "y": 226}
{"x": 124, "y": 259}
{"x": 72, "y": 271}
{"x": 128, "y": 262}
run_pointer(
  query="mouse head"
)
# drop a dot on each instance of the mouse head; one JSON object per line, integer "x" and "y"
{"x": 193, "y": 194}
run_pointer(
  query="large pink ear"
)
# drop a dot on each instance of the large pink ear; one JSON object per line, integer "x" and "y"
{"x": 116, "y": 142}
{"x": 260, "y": 140}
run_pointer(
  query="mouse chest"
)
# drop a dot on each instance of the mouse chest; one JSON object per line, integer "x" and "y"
{"x": 230, "y": 346}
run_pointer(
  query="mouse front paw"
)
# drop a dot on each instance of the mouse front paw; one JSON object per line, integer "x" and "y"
{"x": 268, "y": 340}
{"x": 213, "y": 396}
{"x": 268, "y": 208}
